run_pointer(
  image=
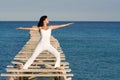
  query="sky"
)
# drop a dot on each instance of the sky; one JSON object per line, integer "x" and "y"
{"x": 60, "y": 10}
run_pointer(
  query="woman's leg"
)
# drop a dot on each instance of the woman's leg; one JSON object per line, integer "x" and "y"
{"x": 52, "y": 50}
{"x": 36, "y": 52}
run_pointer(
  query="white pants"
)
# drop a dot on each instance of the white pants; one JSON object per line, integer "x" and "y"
{"x": 41, "y": 47}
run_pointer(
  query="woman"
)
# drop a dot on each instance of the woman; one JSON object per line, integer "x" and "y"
{"x": 44, "y": 43}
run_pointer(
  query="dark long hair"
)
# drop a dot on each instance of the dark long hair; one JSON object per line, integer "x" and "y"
{"x": 40, "y": 23}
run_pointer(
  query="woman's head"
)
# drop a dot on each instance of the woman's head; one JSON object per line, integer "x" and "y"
{"x": 43, "y": 20}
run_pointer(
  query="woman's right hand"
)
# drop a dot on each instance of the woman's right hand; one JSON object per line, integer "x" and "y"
{"x": 19, "y": 28}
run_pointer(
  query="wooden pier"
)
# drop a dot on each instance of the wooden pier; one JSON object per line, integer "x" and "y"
{"x": 43, "y": 66}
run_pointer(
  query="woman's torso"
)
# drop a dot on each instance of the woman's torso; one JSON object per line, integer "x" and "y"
{"x": 45, "y": 36}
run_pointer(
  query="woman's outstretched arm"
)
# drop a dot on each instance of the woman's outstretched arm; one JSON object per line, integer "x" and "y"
{"x": 60, "y": 26}
{"x": 33, "y": 28}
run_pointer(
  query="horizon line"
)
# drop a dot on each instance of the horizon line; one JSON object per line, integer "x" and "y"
{"x": 56, "y": 21}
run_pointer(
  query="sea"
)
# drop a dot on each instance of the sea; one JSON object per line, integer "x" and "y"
{"x": 91, "y": 47}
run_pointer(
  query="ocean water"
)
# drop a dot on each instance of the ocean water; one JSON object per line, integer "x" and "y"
{"x": 91, "y": 48}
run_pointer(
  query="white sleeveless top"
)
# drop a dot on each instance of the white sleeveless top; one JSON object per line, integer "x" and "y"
{"x": 45, "y": 36}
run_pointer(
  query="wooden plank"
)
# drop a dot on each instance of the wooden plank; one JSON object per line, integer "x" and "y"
{"x": 28, "y": 50}
{"x": 40, "y": 62}
{"x": 24, "y": 52}
{"x": 37, "y": 70}
{"x": 37, "y": 75}
{"x": 24, "y": 56}
{"x": 31, "y": 67}
{"x": 23, "y": 59}
{"x": 42, "y": 54}
{"x": 37, "y": 67}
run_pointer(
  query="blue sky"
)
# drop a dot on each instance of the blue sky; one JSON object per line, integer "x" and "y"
{"x": 60, "y": 10}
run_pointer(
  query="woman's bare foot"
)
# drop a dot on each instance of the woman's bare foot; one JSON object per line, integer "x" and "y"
{"x": 20, "y": 66}
{"x": 59, "y": 68}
